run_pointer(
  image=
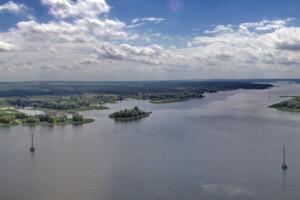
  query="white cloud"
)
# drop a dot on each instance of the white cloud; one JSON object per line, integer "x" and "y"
{"x": 135, "y": 25}
{"x": 267, "y": 25}
{"x": 144, "y": 51}
{"x": 87, "y": 41}
{"x": 13, "y": 7}
{"x": 221, "y": 29}
{"x": 80, "y": 8}
{"x": 6, "y": 46}
{"x": 81, "y": 30}
{"x": 149, "y": 19}
{"x": 288, "y": 38}
{"x": 246, "y": 46}
{"x": 127, "y": 52}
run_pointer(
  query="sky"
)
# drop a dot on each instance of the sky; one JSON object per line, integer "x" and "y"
{"x": 112, "y": 40}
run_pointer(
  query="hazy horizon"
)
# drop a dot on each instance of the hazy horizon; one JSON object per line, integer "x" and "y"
{"x": 160, "y": 80}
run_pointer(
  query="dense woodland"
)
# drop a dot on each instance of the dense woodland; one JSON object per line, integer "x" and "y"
{"x": 24, "y": 89}
{"x": 61, "y": 95}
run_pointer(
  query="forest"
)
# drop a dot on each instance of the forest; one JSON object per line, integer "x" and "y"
{"x": 66, "y": 88}
{"x": 78, "y": 96}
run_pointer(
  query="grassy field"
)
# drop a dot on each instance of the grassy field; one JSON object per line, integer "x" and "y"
{"x": 6, "y": 111}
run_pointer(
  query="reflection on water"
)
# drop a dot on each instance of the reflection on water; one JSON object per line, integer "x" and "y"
{"x": 227, "y": 145}
{"x": 284, "y": 174}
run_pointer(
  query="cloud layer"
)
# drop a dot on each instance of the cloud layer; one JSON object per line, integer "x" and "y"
{"x": 82, "y": 8}
{"x": 81, "y": 38}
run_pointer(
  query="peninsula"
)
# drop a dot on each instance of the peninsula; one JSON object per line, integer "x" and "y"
{"x": 14, "y": 118}
{"x": 292, "y": 105}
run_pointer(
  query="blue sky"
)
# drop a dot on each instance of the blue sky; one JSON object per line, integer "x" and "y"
{"x": 148, "y": 40}
{"x": 204, "y": 13}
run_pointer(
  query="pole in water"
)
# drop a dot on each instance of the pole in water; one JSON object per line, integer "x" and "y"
{"x": 284, "y": 165}
{"x": 32, "y": 148}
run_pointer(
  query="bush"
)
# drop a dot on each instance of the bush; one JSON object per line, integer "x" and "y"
{"x": 51, "y": 119}
{"x": 62, "y": 118}
{"x": 4, "y": 120}
{"x": 21, "y": 116}
{"x": 77, "y": 117}
{"x": 31, "y": 120}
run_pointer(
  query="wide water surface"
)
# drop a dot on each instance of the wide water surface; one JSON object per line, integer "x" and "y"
{"x": 227, "y": 145}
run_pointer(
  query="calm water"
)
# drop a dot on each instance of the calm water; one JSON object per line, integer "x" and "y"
{"x": 225, "y": 146}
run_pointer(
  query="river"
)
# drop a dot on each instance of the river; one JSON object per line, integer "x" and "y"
{"x": 227, "y": 145}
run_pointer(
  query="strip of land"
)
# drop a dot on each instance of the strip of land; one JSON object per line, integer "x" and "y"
{"x": 60, "y": 97}
{"x": 291, "y": 105}
{"x": 11, "y": 117}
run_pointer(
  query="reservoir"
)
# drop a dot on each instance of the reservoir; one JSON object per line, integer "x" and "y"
{"x": 227, "y": 145}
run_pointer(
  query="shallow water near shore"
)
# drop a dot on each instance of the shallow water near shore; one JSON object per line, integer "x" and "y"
{"x": 227, "y": 145}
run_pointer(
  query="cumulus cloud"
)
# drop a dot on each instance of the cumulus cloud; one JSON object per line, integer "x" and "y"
{"x": 149, "y": 19}
{"x": 244, "y": 44}
{"x": 220, "y": 29}
{"x": 81, "y": 30}
{"x": 267, "y": 25}
{"x": 127, "y": 52}
{"x": 13, "y": 7}
{"x": 80, "y": 8}
{"x": 288, "y": 38}
{"x": 83, "y": 38}
{"x": 6, "y": 46}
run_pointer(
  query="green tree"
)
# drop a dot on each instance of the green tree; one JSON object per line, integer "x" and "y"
{"x": 21, "y": 116}
{"x": 5, "y": 120}
{"x": 51, "y": 119}
{"x": 77, "y": 117}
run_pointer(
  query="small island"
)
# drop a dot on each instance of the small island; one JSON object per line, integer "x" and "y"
{"x": 292, "y": 105}
{"x": 14, "y": 118}
{"x": 127, "y": 115}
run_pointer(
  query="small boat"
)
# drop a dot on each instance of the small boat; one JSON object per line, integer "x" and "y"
{"x": 32, "y": 148}
{"x": 283, "y": 164}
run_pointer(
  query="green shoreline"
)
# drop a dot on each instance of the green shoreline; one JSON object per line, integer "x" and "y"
{"x": 83, "y": 108}
{"x": 9, "y": 125}
{"x": 174, "y": 100}
{"x": 291, "y": 105}
{"x": 68, "y": 122}
{"x": 285, "y": 109}
{"x": 11, "y": 112}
